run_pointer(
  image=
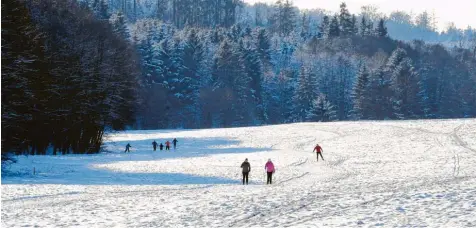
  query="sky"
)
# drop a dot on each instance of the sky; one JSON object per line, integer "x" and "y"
{"x": 461, "y": 12}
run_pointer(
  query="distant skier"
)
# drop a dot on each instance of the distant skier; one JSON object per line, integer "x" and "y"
{"x": 161, "y": 146}
{"x": 127, "y": 148}
{"x": 175, "y": 142}
{"x": 154, "y": 144}
{"x": 319, "y": 151}
{"x": 167, "y": 145}
{"x": 246, "y": 168}
{"x": 269, "y": 167}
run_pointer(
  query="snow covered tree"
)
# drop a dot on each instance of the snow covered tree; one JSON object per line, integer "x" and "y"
{"x": 321, "y": 110}
{"x": 407, "y": 92}
{"x": 324, "y": 27}
{"x": 334, "y": 29}
{"x": 305, "y": 93}
{"x": 345, "y": 21}
{"x": 381, "y": 30}
{"x": 263, "y": 45}
{"x": 230, "y": 82}
{"x": 363, "y": 27}
{"x": 120, "y": 26}
{"x": 361, "y": 94}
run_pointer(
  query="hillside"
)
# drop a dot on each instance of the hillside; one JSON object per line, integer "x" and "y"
{"x": 410, "y": 173}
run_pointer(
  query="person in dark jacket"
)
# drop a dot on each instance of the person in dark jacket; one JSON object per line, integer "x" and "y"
{"x": 246, "y": 168}
{"x": 127, "y": 148}
{"x": 175, "y": 143}
{"x": 161, "y": 146}
{"x": 154, "y": 144}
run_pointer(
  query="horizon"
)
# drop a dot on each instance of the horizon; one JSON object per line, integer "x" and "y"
{"x": 459, "y": 12}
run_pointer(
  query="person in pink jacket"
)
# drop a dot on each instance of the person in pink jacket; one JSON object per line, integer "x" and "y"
{"x": 269, "y": 167}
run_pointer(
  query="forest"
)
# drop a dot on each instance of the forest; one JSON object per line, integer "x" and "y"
{"x": 73, "y": 70}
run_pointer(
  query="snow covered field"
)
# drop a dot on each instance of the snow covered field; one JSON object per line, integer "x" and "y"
{"x": 408, "y": 173}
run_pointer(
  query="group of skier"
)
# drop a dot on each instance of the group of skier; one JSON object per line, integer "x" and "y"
{"x": 155, "y": 145}
{"x": 245, "y": 166}
{"x": 269, "y": 167}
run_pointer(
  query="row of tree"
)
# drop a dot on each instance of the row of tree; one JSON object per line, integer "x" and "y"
{"x": 245, "y": 75}
{"x": 66, "y": 78}
{"x": 71, "y": 71}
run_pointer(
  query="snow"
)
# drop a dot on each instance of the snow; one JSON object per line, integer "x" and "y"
{"x": 390, "y": 174}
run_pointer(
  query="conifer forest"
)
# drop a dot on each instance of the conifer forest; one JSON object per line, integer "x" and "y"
{"x": 73, "y": 70}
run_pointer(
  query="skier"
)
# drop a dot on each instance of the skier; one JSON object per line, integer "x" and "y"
{"x": 154, "y": 144}
{"x": 175, "y": 142}
{"x": 319, "y": 151}
{"x": 246, "y": 168}
{"x": 269, "y": 168}
{"x": 127, "y": 148}
{"x": 161, "y": 146}
{"x": 167, "y": 145}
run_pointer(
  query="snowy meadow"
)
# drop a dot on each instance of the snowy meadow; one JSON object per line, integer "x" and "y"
{"x": 390, "y": 173}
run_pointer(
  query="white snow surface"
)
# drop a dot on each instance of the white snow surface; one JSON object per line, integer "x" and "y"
{"x": 389, "y": 174}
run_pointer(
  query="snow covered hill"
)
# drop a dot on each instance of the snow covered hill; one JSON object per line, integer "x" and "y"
{"x": 408, "y": 173}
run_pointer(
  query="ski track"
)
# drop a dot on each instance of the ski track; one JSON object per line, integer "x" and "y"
{"x": 390, "y": 174}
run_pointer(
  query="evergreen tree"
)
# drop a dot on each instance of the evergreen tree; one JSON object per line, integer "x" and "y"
{"x": 345, "y": 20}
{"x": 100, "y": 9}
{"x": 253, "y": 68}
{"x": 363, "y": 27}
{"x": 381, "y": 30}
{"x": 192, "y": 57}
{"x": 120, "y": 26}
{"x": 305, "y": 93}
{"x": 334, "y": 30}
{"x": 321, "y": 110}
{"x": 324, "y": 27}
{"x": 263, "y": 45}
{"x": 355, "y": 28}
{"x": 380, "y": 105}
{"x": 230, "y": 79}
{"x": 406, "y": 91}
{"x": 361, "y": 94}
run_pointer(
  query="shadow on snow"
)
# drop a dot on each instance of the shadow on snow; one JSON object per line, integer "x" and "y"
{"x": 78, "y": 169}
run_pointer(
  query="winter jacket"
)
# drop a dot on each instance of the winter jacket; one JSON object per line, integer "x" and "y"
{"x": 269, "y": 167}
{"x": 318, "y": 149}
{"x": 167, "y": 143}
{"x": 246, "y": 167}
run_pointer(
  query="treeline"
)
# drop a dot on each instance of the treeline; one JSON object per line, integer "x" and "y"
{"x": 67, "y": 76}
{"x": 245, "y": 75}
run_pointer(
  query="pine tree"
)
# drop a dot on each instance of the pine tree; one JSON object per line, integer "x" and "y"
{"x": 381, "y": 30}
{"x": 361, "y": 94}
{"x": 345, "y": 20}
{"x": 363, "y": 27}
{"x": 324, "y": 27}
{"x": 229, "y": 77}
{"x": 321, "y": 110}
{"x": 334, "y": 30}
{"x": 120, "y": 27}
{"x": 253, "y": 68}
{"x": 305, "y": 30}
{"x": 305, "y": 93}
{"x": 380, "y": 105}
{"x": 406, "y": 91}
{"x": 101, "y": 9}
{"x": 263, "y": 45}
{"x": 355, "y": 28}
{"x": 192, "y": 57}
